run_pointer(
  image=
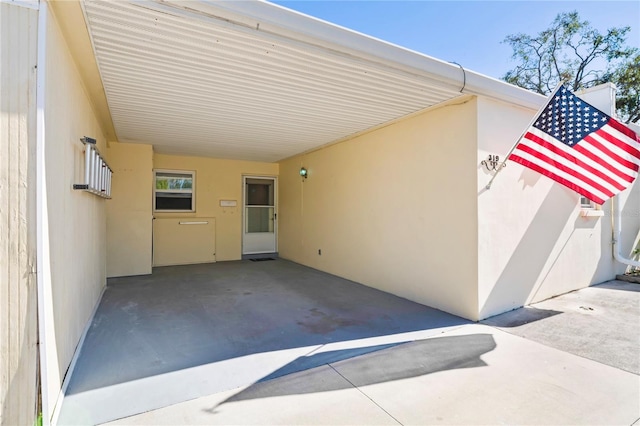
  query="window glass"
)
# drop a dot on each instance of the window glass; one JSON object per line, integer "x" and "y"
{"x": 259, "y": 192}
{"x": 259, "y": 219}
{"x": 166, "y": 180}
{"x": 586, "y": 203}
{"x": 173, "y": 191}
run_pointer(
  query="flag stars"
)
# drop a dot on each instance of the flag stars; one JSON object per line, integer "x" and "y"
{"x": 568, "y": 119}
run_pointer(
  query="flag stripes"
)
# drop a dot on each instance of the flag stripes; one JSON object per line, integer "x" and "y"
{"x": 623, "y": 129}
{"x": 612, "y": 151}
{"x": 586, "y": 161}
{"x": 618, "y": 140}
{"x": 604, "y": 162}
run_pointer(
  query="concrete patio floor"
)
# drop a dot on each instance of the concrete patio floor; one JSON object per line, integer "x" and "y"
{"x": 310, "y": 348}
{"x": 189, "y": 331}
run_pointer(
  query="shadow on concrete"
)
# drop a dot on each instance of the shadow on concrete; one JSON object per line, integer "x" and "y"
{"x": 322, "y": 358}
{"x": 519, "y": 317}
{"x": 188, "y": 316}
{"x": 403, "y": 361}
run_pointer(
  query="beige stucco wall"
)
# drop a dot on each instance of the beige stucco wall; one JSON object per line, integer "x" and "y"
{"x": 394, "y": 209}
{"x": 129, "y": 212}
{"x": 533, "y": 242}
{"x": 76, "y": 220}
{"x": 217, "y": 179}
{"x": 184, "y": 241}
{"x": 18, "y": 308}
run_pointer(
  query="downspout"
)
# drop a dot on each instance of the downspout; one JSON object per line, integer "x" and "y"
{"x": 616, "y": 209}
{"x": 617, "y": 231}
{"x": 43, "y": 266}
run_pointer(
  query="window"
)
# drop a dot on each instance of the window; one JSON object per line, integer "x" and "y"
{"x": 586, "y": 203}
{"x": 173, "y": 191}
{"x": 590, "y": 209}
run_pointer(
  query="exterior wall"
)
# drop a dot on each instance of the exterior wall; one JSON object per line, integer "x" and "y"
{"x": 630, "y": 204}
{"x": 394, "y": 209}
{"x": 129, "y": 212}
{"x": 630, "y": 226}
{"x": 533, "y": 241}
{"x": 76, "y": 220}
{"x": 176, "y": 243}
{"x": 217, "y": 179}
{"x": 18, "y": 305}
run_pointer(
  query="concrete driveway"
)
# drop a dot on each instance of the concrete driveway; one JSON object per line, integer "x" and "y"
{"x": 329, "y": 351}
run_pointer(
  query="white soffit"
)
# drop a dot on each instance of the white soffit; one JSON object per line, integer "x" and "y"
{"x": 196, "y": 78}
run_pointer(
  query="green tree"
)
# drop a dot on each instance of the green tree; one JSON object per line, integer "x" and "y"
{"x": 627, "y": 79}
{"x": 573, "y": 51}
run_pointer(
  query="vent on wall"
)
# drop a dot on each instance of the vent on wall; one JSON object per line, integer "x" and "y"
{"x": 97, "y": 173}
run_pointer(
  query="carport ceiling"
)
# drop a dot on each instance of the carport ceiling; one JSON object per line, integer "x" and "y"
{"x": 245, "y": 80}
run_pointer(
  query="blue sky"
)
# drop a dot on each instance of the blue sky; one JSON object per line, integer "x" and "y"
{"x": 467, "y": 32}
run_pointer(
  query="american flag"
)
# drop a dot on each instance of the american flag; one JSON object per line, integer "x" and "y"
{"x": 580, "y": 147}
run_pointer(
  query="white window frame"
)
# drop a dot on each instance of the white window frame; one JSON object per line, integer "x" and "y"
{"x": 586, "y": 203}
{"x": 589, "y": 209}
{"x": 191, "y": 191}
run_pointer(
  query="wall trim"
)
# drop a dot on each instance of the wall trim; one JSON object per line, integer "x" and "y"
{"x": 74, "y": 360}
{"x": 43, "y": 266}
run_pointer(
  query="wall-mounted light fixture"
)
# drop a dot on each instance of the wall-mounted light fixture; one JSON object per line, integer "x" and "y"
{"x": 303, "y": 172}
{"x": 492, "y": 163}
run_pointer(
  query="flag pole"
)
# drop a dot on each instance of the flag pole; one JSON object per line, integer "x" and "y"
{"x": 526, "y": 129}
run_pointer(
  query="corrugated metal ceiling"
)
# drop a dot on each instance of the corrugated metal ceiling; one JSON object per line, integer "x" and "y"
{"x": 200, "y": 85}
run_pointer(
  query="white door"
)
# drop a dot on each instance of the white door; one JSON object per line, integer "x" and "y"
{"x": 259, "y": 211}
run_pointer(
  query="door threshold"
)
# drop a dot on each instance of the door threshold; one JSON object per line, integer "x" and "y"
{"x": 260, "y": 256}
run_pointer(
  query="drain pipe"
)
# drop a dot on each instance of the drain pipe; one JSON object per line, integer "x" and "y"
{"x": 617, "y": 231}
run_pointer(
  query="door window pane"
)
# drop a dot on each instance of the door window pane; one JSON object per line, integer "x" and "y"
{"x": 259, "y": 192}
{"x": 259, "y": 219}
